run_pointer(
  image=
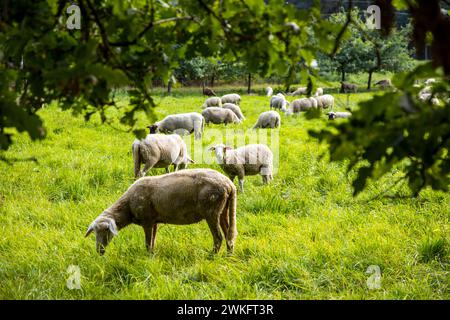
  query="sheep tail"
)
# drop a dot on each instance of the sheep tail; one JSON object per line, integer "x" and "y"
{"x": 232, "y": 229}
{"x": 136, "y": 158}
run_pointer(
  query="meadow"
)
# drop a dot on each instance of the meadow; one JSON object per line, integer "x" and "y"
{"x": 304, "y": 236}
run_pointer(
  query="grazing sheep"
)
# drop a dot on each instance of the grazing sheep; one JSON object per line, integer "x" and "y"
{"x": 428, "y": 97}
{"x": 302, "y": 104}
{"x": 385, "y": 83}
{"x": 269, "y": 91}
{"x": 209, "y": 92}
{"x": 231, "y": 98}
{"x": 279, "y": 102}
{"x": 299, "y": 91}
{"x": 430, "y": 81}
{"x": 212, "y": 102}
{"x": 183, "y": 197}
{"x": 348, "y": 87}
{"x": 245, "y": 161}
{"x": 159, "y": 151}
{"x": 236, "y": 109}
{"x": 219, "y": 115}
{"x": 268, "y": 119}
{"x": 325, "y": 101}
{"x": 186, "y": 122}
{"x": 319, "y": 92}
{"x": 334, "y": 115}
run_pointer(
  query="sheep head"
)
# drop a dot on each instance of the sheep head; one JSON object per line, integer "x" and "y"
{"x": 153, "y": 128}
{"x": 105, "y": 229}
{"x": 220, "y": 151}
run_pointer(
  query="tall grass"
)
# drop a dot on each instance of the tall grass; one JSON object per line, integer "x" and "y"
{"x": 302, "y": 237}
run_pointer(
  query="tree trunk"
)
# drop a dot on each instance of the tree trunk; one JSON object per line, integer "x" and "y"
{"x": 212, "y": 80}
{"x": 342, "y": 74}
{"x": 169, "y": 86}
{"x": 369, "y": 81}
{"x": 249, "y": 83}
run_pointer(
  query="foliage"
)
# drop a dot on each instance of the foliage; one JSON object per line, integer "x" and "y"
{"x": 130, "y": 44}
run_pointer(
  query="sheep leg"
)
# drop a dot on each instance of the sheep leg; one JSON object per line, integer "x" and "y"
{"x": 149, "y": 242}
{"x": 154, "y": 231}
{"x": 241, "y": 184}
{"x": 167, "y": 170}
{"x": 217, "y": 236}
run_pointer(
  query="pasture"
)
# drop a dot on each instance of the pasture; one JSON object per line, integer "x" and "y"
{"x": 301, "y": 237}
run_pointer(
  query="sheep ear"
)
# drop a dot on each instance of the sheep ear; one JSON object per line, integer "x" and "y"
{"x": 89, "y": 230}
{"x": 190, "y": 160}
{"x": 211, "y": 148}
{"x": 112, "y": 227}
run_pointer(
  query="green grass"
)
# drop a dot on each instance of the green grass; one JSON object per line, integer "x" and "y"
{"x": 302, "y": 237}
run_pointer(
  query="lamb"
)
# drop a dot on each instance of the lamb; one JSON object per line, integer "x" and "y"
{"x": 348, "y": 87}
{"x": 319, "y": 92}
{"x": 183, "y": 197}
{"x": 299, "y": 91}
{"x": 268, "y": 119}
{"x": 159, "y": 151}
{"x": 190, "y": 122}
{"x": 231, "y": 98}
{"x": 269, "y": 91}
{"x": 212, "y": 102}
{"x": 334, "y": 115}
{"x": 219, "y": 115}
{"x": 325, "y": 101}
{"x": 245, "y": 161}
{"x": 236, "y": 109}
{"x": 302, "y": 104}
{"x": 279, "y": 102}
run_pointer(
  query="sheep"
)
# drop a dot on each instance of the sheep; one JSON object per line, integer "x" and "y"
{"x": 231, "y": 98}
{"x": 209, "y": 92}
{"x": 325, "y": 101}
{"x": 159, "y": 151}
{"x": 425, "y": 97}
{"x": 302, "y": 104}
{"x": 212, "y": 102}
{"x": 299, "y": 91}
{"x": 385, "y": 83}
{"x": 430, "y": 81}
{"x": 219, "y": 115}
{"x": 245, "y": 161}
{"x": 269, "y": 91}
{"x": 268, "y": 119}
{"x": 319, "y": 92}
{"x": 348, "y": 87}
{"x": 334, "y": 115}
{"x": 190, "y": 122}
{"x": 279, "y": 102}
{"x": 183, "y": 197}
{"x": 236, "y": 109}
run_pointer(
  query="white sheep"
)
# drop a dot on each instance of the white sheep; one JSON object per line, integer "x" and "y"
{"x": 279, "y": 102}
{"x": 183, "y": 197}
{"x": 180, "y": 123}
{"x": 430, "y": 81}
{"x": 319, "y": 92}
{"x": 269, "y": 91}
{"x": 302, "y": 104}
{"x": 219, "y": 115}
{"x": 212, "y": 102}
{"x": 231, "y": 98}
{"x": 268, "y": 119}
{"x": 325, "y": 101}
{"x": 244, "y": 161}
{"x": 236, "y": 109}
{"x": 334, "y": 115}
{"x": 299, "y": 91}
{"x": 159, "y": 151}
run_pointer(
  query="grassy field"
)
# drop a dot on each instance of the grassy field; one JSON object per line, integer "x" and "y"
{"x": 302, "y": 237}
